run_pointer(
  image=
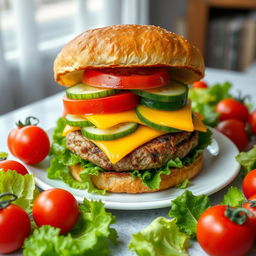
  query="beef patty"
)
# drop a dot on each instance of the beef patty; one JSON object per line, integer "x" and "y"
{"x": 153, "y": 154}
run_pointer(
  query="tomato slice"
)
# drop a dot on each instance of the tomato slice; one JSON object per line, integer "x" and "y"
{"x": 127, "y": 78}
{"x": 106, "y": 105}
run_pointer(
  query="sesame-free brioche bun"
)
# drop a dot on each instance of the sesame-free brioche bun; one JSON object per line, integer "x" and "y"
{"x": 124, "y": 183}
{"x": 125, "y": 46}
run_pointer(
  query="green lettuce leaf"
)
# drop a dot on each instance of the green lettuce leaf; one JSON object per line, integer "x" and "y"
{"x": 161, "y": 237}
{"x": 152, "y": 178}
{"x": 234, "y": 197}
{"x": 91, "y": 236}
{"x": 183, "y": 184}
{"x": 204, "y": 101}
{"x": 187, "y": 209}
{"x": 204, "y": 139}
{"x": 247, "y": 160}
{"x": 23, "y": 186}
{"x": 62, "y": 158}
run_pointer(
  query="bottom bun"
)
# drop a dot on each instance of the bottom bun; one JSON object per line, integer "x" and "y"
{"x": 123, "y": 182}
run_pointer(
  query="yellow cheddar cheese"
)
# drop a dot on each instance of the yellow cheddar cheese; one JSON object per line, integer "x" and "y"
{"x": 119, "y": 148}
{"x": 105, "y": 121}
{"x": 69, "y": 129}
{"x": 198, "y": 124}
{"x": 180, "y": 119}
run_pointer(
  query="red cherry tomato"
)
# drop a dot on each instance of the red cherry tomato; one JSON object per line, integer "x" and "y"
{"x": 232, "y": 109}
{"x": 14, "y": 228}
{"x": 252, "y": 121}
{"x": 10, "y": 138}
{"x": 235, "y": 131}
{"x": 29, "y": 143}
{"x": 219, "y": 236}
{"x": 14, "y": 166}
{"x": 200, "y": 84}
{"x": 251, "y": 217}
{"x": 106, "y": 105}
{"x": 249, "y": 184}
{"x": 56, "y": 207}
{"x": 130, "y": 78}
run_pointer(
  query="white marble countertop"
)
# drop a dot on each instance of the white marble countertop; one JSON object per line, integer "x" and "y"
{"x": 128, "y": 222}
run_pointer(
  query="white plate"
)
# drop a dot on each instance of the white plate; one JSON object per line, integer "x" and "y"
{"x": 217, "y": 173}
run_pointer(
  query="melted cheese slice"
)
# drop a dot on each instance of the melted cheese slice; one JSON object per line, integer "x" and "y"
{"x": 105, "y": 121}
{"x": 198, "y": 124}
{"x": 180, "y": 119}
{"x": 119, "y": 148}
{"x": 69, "y": 129}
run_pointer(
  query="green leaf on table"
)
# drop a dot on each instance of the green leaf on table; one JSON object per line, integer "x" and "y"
{"x": 247, "y": 160}
{"x": 91, "y": 236}
{"x": 161, "y": 237}
{"x": 23, "y": 186}
{"x": 187, "y": 209}
{"x": 234, "y": 197}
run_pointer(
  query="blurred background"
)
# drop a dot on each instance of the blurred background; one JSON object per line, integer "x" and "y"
{"x": 33, "y": 31}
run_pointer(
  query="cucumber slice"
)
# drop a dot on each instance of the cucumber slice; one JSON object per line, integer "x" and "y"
{"x": 83, "y": 91}
{"x": 174, "y": 91}
{"x": 75, "y": 120}
{"x": 174, "y": 105}
{"x": 112, "y": 133}
{"x": 151, "y": 123}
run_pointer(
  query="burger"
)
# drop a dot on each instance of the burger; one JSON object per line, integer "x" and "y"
{"x": 128, "y": 126}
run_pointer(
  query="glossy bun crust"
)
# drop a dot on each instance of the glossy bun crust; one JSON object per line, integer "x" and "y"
{"x": 124, "y": 183}
{"x": 128, "y": 46}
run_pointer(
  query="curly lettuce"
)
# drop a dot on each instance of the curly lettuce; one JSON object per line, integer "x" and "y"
{"x": 23, "y": 186}
{"x": 62, "y": 158}
{"x": 186, "y": 209}
{"x": 91, "y": 236}
{"x": 204, "y": 101}
{"x": 161, "y": 237}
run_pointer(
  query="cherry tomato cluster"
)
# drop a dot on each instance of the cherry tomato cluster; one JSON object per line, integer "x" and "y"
{"x": 235, "y": 226}
{"x": 234, "y": 119}
{"x": 54, "y": 207}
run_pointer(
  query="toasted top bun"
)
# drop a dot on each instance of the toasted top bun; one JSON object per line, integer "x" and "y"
{"x": 128, "y": 46}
